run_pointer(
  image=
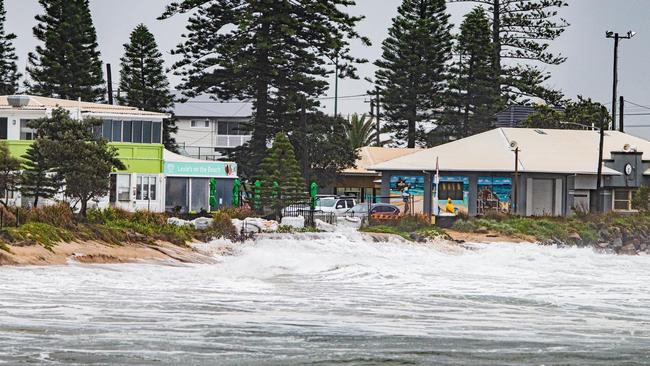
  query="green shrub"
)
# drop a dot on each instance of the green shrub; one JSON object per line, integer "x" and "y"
{"x": 466, "y": 226}
{"x": 8, "y": 217}
{"x": 239, "y": 213}
{"x": 103, "y": 233}
{"x": 309, "y": 229}
{"x": 108, "y": 214}
{"x": 149, "y": 218}
{"x": 222, "y": 226}
{"x": 432, "y": 233}
{"x": 285, "y": 229}
{"x": 641, "y": 199}
{"x": 59, "y": 215}
{"x": 496, "y": 215}
{"x": 174, "y": 234}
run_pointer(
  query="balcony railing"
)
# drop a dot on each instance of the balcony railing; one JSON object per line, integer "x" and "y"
{"x": 231, "y": 141}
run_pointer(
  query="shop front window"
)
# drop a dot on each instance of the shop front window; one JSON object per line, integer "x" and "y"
{"x": 145, "y": 188}
{"x": 200, "y": 197}
{"x": 176, "y": 198}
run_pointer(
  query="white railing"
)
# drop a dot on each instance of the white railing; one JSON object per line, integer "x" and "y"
{"x": 231, "y": 141}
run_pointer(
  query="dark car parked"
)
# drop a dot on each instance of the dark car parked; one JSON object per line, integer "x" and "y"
{"x": 361, "y": 210}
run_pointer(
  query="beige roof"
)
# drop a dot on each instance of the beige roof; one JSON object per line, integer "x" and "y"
{"x": 37, "y": 103}
{"x": 541, "y": 151}
{"x": 369, "y": 156}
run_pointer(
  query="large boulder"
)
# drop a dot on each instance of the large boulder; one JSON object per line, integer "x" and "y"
{"x": 575, "y": 238}
{"x": 238, "y": 224}
{"x": 617, "y": 242}
{"x": 628, "y": 249}
{"x": 259, "y": 225}
{"x": 178, "y": 222}
{"x": 323, "y": 226}
{"x": 297, "y": 222}
{"x": 202, "y": 223}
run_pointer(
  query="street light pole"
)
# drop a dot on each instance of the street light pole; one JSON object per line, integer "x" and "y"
{"x": 616, "y": 37}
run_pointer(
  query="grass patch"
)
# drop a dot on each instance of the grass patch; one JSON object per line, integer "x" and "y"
{"x": 590, "y": 227}
{"x": 40, "y": 233}
{"x": 5, "y": 247}
{"x": 412, "y": 228}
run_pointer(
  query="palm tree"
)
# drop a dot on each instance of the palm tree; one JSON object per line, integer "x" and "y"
{"x": 361, "y": 132}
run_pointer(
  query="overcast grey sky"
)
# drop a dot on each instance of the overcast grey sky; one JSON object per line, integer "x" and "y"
{"x": 587, "y": 72}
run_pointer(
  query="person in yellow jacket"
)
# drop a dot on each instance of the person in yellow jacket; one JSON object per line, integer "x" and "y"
{"x": 450, "y": 206}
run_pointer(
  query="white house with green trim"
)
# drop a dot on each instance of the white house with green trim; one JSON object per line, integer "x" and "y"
{"x": 136, "y": 134}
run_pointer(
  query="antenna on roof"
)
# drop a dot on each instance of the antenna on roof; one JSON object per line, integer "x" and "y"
{"x": 514, "y": 145}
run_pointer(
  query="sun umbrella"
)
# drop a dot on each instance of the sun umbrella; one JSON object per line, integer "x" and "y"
{"x": 213, "y": 193}
{"x": 236, "y": 190}
{"x": 313, "y": 192}
{"x": 257, "y": 192}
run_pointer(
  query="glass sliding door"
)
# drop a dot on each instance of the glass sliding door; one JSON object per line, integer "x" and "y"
{"x": 176, "y": 197}
{"x": 200, "y": 198}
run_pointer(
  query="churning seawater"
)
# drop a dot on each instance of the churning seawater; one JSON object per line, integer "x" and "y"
{"x": 335, "y": 301}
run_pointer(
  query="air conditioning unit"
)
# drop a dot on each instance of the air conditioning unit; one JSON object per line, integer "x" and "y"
{"x": 18, "y": 101}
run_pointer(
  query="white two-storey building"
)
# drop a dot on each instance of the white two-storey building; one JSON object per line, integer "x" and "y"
{"x": 208, "y": 129}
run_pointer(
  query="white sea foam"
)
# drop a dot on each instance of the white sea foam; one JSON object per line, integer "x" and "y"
{"x": 335, "y": 298}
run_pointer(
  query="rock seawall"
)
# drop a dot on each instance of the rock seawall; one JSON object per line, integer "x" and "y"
{"x": 614, "y": 239}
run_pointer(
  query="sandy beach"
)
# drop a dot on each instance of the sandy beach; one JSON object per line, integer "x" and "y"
{"x": 97, "y": 252}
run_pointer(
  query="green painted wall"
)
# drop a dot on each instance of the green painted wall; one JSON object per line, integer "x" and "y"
{"x": 138, "y": 158}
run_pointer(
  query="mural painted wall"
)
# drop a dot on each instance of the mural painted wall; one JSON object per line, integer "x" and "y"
{"x": 456, "y": 188}
{"x": 494, "y": 194}
{"x": 414, "y": 188}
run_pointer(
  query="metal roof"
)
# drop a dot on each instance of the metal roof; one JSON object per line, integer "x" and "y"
{"x": 541, "y": 151}
{"x": 204, "y": 106}
{"x": 371, "y": 155}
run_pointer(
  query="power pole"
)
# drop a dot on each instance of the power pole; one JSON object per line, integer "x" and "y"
{"x": 615, "y": 83}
